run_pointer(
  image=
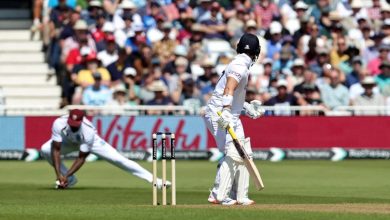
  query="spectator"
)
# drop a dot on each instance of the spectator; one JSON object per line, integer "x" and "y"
{"x": 81, "y": 35}
{"x": 298, "y": 69}
{"x": 207, "y": 90}
{"x": 311, "y": 97}
{"x": 134, "y": 43}
{"x": 262, "y": 83}
{"x": 119, "y": 96}
{"x": 97, "y": 29}
{"x": 309, "y": 81}
{"x": 334, "y": 94}
{"x": 383, "y": 79}
{"x": 282, "y": 100}
{"x": 121, "y": 35}
{"x": 165, "y": 47}
{"x": 110, "y": 54}
{"x": 357, "y": 89}
{"x": 85, "y": 76}
{"x": 184, "y": 34}
{"x": 374, "y": 65}
{"x": 174, "y": 80}
{"x": 337, "y": 55}
{"x": 321, "y": 60}
{"x": 134, "y": 89}
{"x": 357, "y": 73}
{"x": 116, "y": 69}
{"x": 94, "y": 9}
{"x": 264, "y": 12}
{"x": 235, "y": 25}
{"x": 170, "y": 67}
{"x": 208, "y": 68}
{"x": 97, "y": 94}
{"x": 202, "y": 11}
{"x": 285, "y": 61}
{"x": 214, "y": 26}
{"x": 369, "y": 98}
{"x": 190, "y": 96}
{"x": 160, "y": 97}
{"x": 274, "y": 45}
{"x": 108, "y": 30}
{"x": 126, "y": 7}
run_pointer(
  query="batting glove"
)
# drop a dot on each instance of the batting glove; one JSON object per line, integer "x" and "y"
{"x": 253, "y": 109}
{"x": 225, "y": 119}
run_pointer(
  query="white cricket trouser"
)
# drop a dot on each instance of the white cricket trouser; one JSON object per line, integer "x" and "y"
{"x": 223, "y": 139}
{"x": 106, "y": 152}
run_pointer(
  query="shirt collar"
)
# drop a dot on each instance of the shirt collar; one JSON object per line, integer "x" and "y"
{"x": 245, "y": 58}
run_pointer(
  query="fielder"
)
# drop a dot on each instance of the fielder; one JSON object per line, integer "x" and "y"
{"x": 232, "y": 180}
{"x": 74, "y": 132}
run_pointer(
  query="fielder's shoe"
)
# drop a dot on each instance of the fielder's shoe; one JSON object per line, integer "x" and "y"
{"x": 229, "y": 201}
{"x": 159, "y": 184}
{"x": 72, "y": 180}
{"x": 213, "y": 198}
{"x": 246, "y": 201}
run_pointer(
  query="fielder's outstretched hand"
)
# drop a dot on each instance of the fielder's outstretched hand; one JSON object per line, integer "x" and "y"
{"x": 225, "y": 119}
{"x": 253, "y": 109}
{"x": 62, "y": 182}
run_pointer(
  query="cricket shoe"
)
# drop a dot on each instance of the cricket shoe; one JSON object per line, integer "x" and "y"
{"x": 72, "y": 180}
{"x": 160, "y": 184}
{"x": 213, "y": 198}
{"x": 228, "y": 202}
{"x": 246, "y": 201}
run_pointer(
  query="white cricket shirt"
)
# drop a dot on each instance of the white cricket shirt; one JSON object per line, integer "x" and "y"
{"x": 239, "y": 70}
{"x": 84, "y": 138}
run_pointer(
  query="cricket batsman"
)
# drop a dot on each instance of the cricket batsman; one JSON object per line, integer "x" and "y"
{"x": 74, "y": 132}
{"x": 232, "y": 179}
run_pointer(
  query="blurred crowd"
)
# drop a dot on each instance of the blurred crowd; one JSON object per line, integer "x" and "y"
{"x": 327, "y": 53}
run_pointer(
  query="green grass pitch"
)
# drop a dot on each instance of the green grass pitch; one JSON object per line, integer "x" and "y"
{"x": 294, "y": 190}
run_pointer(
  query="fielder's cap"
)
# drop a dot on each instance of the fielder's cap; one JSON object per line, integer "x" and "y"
{"x": 275, "y": 28}
{"x": 75, "y": 117}
{"x": 368, "y": 80}
{"x": 181, "y": 61}
{"x": 298, "y": 62}
{"x": 281, "y": 83}
{"x": 130, "y": 71}
{"x": 127, "y": 4}
{"x": 108, "y": 27}
{"x": 301, "y": 5}
{"x": 80, "y": 25}
{"x": 384, "y": 64}
{"x": 95, "y": 3}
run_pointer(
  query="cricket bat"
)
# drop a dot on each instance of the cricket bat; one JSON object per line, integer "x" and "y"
{"x": 249, "y": 164}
